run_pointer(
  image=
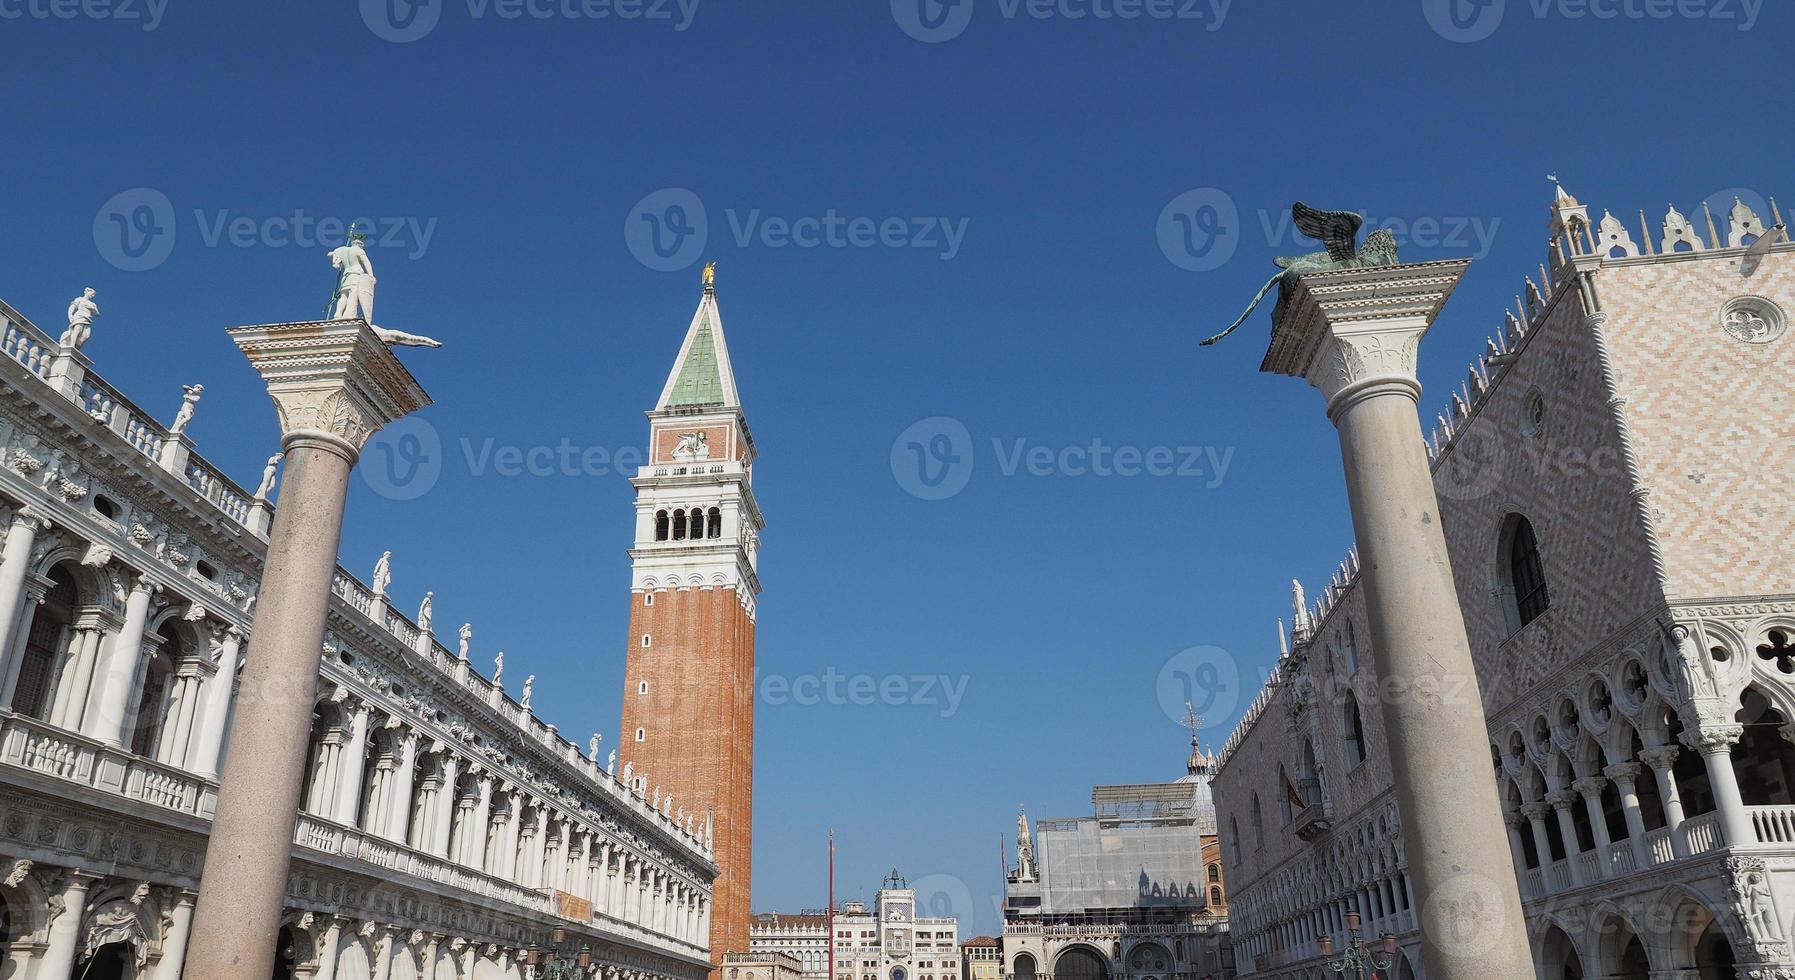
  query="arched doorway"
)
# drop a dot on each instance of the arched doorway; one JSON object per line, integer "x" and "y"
{"x": 1714, "y": 954}
{"x": 1558, "y": 959}
{"x": 1024, "y": 967}
{"x": 1080, "y": 963}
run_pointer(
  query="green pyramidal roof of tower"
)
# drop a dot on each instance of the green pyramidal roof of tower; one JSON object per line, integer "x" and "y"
{"x": 699, "y": 381}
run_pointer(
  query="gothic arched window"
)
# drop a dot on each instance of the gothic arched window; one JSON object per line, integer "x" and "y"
{"x": 660, "y": 525}
{"x": 1522, "y": 573}
{"x": 697, "y": 522}
{"x": 1352, "y": 731}
{"x": 679, "y": 525}
{"x": 1258, "y": 824}
{"x": 715, "y": 525}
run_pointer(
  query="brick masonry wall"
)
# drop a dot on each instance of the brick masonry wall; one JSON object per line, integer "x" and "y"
{"x": 698, "y": 716}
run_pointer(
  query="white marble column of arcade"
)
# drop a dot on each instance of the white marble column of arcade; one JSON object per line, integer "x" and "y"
{"x": 15, "y": 567}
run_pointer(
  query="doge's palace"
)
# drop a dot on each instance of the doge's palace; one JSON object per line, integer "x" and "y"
{"x": 1612, "y": 483}
{"x": 445, "y": 827}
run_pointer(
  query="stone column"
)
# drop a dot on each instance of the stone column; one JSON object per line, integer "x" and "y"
{"x": 1355, "y": 334}
{"x": 473, "y": 851}
{"x": 1715, "y": 743}
{"x": 118, "y": 675}
{"x": 174, "y": 942}
{"x": 383, "y": 954}
{"x": 398, "y": 803}
{"x": 353, "y": 762}
{"x": 333, "y": 384}
{"x": 65, "y": 930}
{"x": 448, "y": 798}
{"x": 217, "y": 695}
{"x": 21, "y": 535}
{"x": 1517, "y": 848}
{"x": 329, "y": 946}
{"x": 76, "y": 684}
{"x": 1590, "y": 788}
{"x": 1561, "y": 800}
{"x": 1661, "y": 759}
{"x": 509, "y": 841}
{"x": 1624, "y": 775}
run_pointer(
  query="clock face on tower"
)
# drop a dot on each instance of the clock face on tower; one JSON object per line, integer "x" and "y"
{"x": 899, "y": 973}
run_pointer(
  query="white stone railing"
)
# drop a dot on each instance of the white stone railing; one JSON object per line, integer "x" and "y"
{"x": 1660, "y": 847}
{"x": 1701, "y": 834}
{"x": 25, "y": 343}
{"x": 318, "y": 834}
{"x": 1620, "y": 857}
{"x": 1773, "y": 824}
{"x": 32, "y": 744}
{"x": 358, "y": 597}
{"x": 1558, "y": 876}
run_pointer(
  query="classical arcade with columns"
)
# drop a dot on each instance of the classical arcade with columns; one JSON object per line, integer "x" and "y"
{"x": 445, "y": 827}
{"x": 1610, "y": 484}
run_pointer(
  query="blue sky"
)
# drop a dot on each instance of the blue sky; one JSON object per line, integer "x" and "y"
{"x": 509, "y": 162}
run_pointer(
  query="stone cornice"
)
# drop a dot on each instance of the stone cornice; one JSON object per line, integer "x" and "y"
{"x": 330, "y": 378}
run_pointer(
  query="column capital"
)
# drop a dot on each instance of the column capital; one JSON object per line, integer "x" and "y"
{"x": 1659, "y": 757}
{"x": 1622, "y": 772}
{"x": 333, "y": 382}
{"x": 1712, "y": 739}
{"x": 1590, "y": 785}
{"x": 1357, "y": 332}
{"x": 1561, "y": 799}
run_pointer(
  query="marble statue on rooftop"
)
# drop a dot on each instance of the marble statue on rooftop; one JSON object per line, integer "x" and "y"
{"x": 189, "y": 398}
{"x": 529, "y": 690}
{"x": 81, "y": 314}
{"x": 592, "y": 747}
{"x": 425, "y": 612}
{"x": 269, "y": 473}
{"x": 498, "y": 670}
{"x": 1339, "y": 230}
{"x": 383, "y": 573}
{"x": 611, "y": 763}
{"x": 354, "y": 297}
{"x": 466, "y": 635}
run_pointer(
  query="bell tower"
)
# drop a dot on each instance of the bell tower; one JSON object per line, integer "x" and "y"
{"x": 688, "y": 700}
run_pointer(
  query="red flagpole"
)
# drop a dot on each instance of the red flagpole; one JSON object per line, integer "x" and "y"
{"x": 830, "y": 917}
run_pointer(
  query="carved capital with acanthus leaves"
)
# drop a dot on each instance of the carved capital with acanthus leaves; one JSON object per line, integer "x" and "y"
{"x": 331, "y": 380}
{"x": 1353, "y": 333}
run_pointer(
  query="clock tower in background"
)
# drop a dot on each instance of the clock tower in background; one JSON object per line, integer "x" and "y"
{"x": 688, "y": 699}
